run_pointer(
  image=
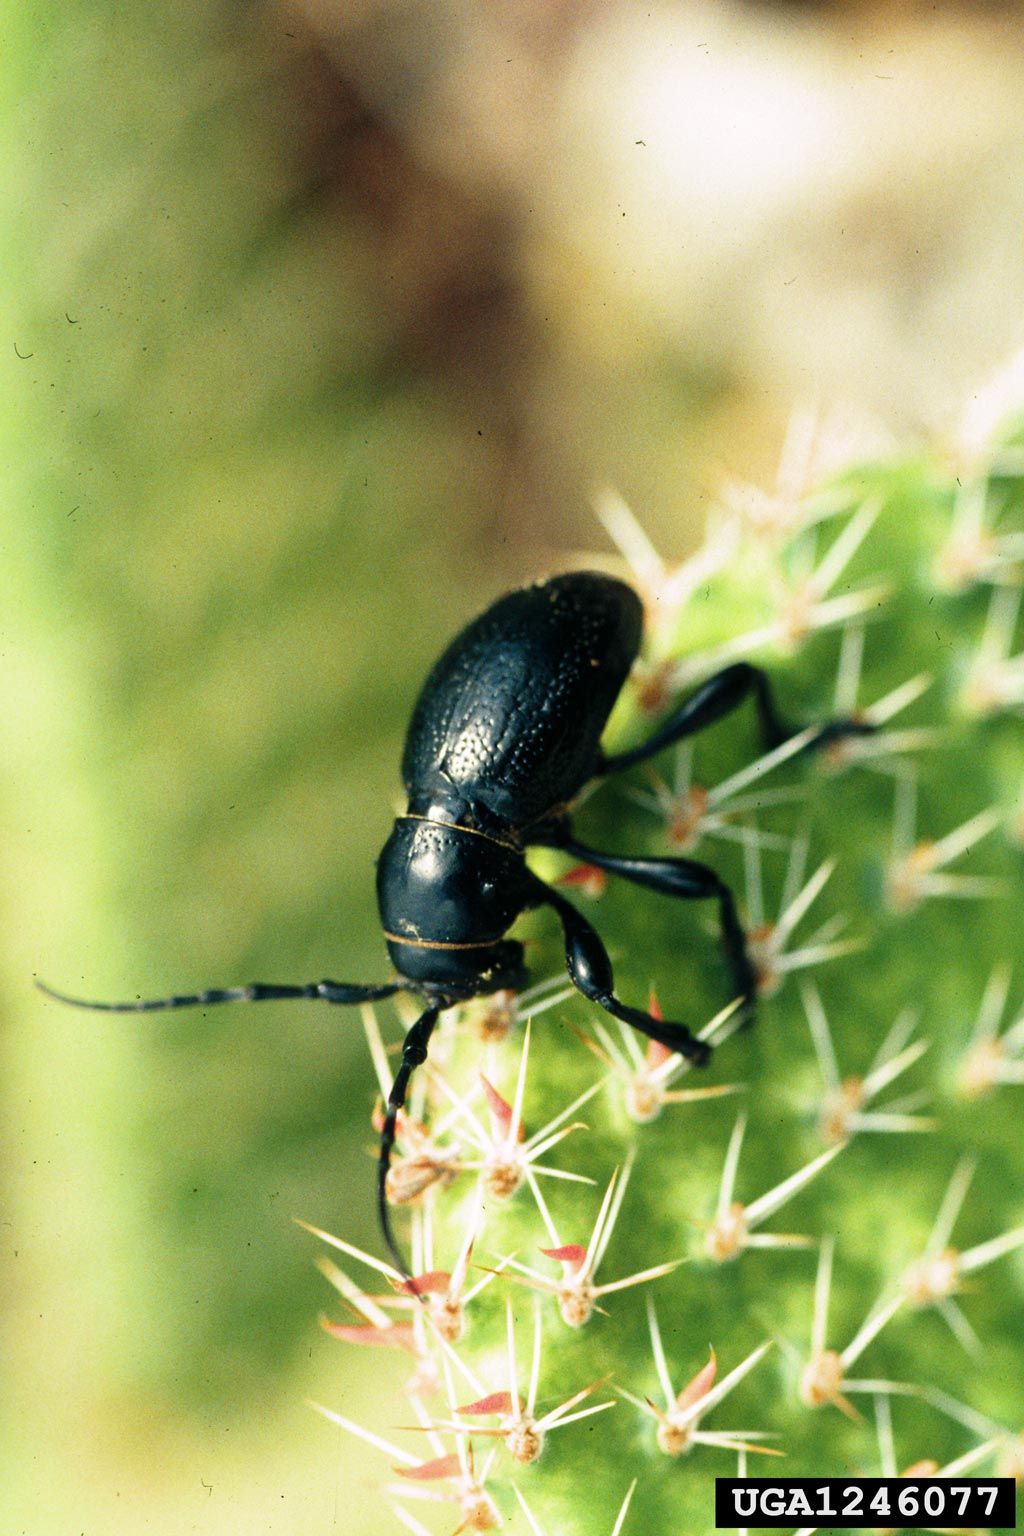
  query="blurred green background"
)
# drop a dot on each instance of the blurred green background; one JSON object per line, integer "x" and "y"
{"x": 318, "y": 331}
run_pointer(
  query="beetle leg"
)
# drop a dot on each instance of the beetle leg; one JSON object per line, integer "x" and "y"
{"x": 590, "y": 971}
{"x": 414, "y": 1054}
{"x": 719, "y": 696}
{"x": 256, "y": 992}
{"x": 691, "y": 881}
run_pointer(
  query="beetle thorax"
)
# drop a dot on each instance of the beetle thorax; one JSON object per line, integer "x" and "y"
{"x": 443, "y": 882}
{"x": 447, "y": 893}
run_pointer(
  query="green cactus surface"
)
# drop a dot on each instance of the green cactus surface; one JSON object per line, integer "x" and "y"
{"x": 635, "y": 1276}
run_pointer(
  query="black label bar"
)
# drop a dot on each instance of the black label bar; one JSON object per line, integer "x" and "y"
{"x": 858, "y": 1503}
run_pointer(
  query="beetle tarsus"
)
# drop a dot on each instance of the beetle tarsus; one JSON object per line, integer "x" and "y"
{"x": 838, "y": 730}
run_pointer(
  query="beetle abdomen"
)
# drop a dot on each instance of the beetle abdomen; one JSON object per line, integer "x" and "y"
{"x": 511, "y": 716}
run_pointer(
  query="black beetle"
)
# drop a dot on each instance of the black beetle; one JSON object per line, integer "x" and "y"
{"x": 505, "y": 735}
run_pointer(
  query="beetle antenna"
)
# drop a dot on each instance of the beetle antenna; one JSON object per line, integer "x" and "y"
{"x": 414, "y": 1053}
{"x": 256, "y": 992}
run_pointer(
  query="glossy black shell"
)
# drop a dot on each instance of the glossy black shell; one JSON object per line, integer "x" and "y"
{"x": 510, "y": 719}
